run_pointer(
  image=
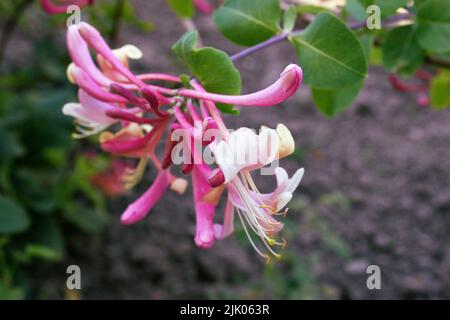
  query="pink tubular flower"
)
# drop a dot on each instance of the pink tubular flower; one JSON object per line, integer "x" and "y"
{"x": 138, "y": 114}
{"x": 141, "y": 207}
{"x": 60, "y": 6}
{"x": 278, "y": 92}
{"x": 204, "y": 235}
{"x": 204, "y": 6}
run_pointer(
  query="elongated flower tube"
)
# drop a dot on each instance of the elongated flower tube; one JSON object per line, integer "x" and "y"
{"x": 139, "y": 209}
{"x": 85, "y": 82}
{"x": 204, "y": 234}
{"x": 57, "y": 7}
{"x": 79, "y": 52}
{"x": 96, "y": 41}
{"x": 288, "y": 83}
{"x": 204, "y": 6}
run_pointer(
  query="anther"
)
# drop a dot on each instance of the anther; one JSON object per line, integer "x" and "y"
{"x": 217, "y": 178}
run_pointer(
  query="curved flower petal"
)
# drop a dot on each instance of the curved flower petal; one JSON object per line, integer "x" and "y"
{"x": 89, "y": 113}
{"x": 284, "y": 191}
{"x": 80, "y": 55}
{"x": 204, "y": 234}
{"x": 96, "y": 41}
{"x": 84, "y": 81}
{"x": 139, "y": 209}
{"x": 288, "y": 83}
{"x": 52, "y": 8}
{"x": 245, "y": 150}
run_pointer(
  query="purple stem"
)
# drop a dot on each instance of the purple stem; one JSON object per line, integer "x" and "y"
{"x": 284, "y": 36}
{"x": 259, "y": 46}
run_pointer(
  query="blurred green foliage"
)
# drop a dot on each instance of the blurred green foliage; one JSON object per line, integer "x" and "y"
{"x": 44, "y": 187}
{"x": 46, "y": 194}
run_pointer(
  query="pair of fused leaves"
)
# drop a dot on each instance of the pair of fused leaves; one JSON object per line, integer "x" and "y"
{"x": 332, "y": 57}
{"x": 212, "y": 67}
{"x": 405, "y": 47}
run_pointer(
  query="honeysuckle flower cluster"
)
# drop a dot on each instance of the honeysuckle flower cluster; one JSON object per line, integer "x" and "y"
{"x": 60, "y": 6}
{"x": 134, "y": 114}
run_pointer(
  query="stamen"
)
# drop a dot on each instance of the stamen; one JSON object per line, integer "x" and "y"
{"x": 133, "y": 176}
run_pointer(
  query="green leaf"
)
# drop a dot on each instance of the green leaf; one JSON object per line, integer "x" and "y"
{"x": 8, "y": 292}
{"x": 389, "y": 7}
{"x": 47, "y": 240}
{"x": 10, "y": 147}
{"x": 248, "y": 22}
{"x": 332, "y": 102}
{"x": 440, "y": 91}
{"x": 212, "y": 67}
{"x": 215, "y": 70}
{"x": 433, "y": 25}
{"x": 184, "y": 47}
{"x": 401, "y": 51}
{"x": 183, "y": 8}
{"x": 358, "y": 8}
{"x": 367, "y": 44}
{"x": 84, "y": 217}
{"x": 289, "y": 17}
{"x": 311, "y": 9}
{"x": 13, "y": 219}
{"x": 330, "y": 53}
{"x": 42, "y": 252}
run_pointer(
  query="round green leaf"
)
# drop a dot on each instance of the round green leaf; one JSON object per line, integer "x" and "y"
{"x": 289, "y": 17}
{"x": 13, "y": 219}
{"x": 225, "y": 78}
{"x": 332, "y": 102}
{"x": 248, "y": 22}
{"x": 183, "y": 8}
{"x": 440, "y": 91}
{"x": 401, "y": 51}
{"x": 433, "y": 25}
{"x": 184, "y": 47}
{"x": 330, "y": 53}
